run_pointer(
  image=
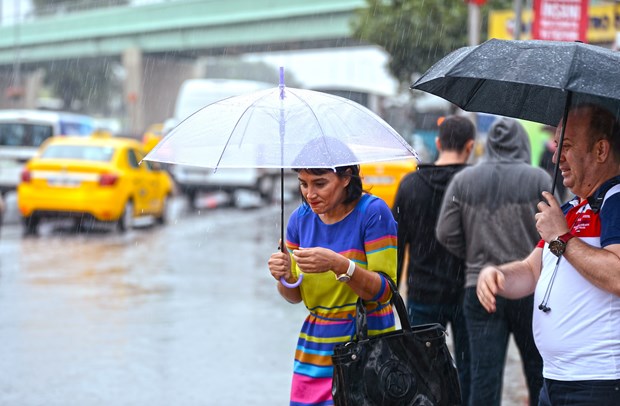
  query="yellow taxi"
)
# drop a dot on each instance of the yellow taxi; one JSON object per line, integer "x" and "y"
{"x": 382, "y": 178}
{"x": 97, "y": 177}
{"x": 152, "y": 136}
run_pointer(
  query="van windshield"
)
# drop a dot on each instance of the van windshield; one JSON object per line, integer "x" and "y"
{"x": 24, "y": 135}
{"x": 84, "y": 127}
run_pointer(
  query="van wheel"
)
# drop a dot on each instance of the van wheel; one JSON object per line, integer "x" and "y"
{"x": 125, "y": 222}
{"x": 267, "y": 188}
{"x": 191, "y": 198}
{"x": 31, "y": 225}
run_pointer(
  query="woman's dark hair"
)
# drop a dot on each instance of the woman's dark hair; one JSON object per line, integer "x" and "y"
{"x": 353, "y": 190}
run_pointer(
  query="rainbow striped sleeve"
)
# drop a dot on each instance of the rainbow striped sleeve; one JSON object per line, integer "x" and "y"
{"x": 380, "y": 244}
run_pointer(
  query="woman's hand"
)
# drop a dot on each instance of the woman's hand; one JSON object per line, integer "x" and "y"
{"x": 280, "y": 266}
{"x": 318, "y": 260}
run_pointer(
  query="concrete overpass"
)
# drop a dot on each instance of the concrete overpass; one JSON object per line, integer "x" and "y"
{"x": 158, "y": 43}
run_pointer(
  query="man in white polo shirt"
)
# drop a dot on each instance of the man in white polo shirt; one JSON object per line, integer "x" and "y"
{"x": 575, "y": 269}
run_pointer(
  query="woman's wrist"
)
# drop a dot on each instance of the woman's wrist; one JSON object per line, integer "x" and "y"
{"x": 343, "y": 266}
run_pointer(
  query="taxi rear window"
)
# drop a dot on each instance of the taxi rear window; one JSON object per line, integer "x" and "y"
{"x": 85, "y": 153}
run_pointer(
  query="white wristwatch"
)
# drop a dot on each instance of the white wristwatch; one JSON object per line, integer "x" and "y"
{"x": 346, "y": 277}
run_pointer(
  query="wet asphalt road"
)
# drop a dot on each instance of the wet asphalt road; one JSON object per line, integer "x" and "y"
{"x": 184, "y": 314}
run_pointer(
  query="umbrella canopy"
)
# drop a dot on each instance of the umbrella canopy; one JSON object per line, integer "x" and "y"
{"x": 271, "y": 128}
{"x": 281, "y": 128}
{"x": 531, "y": 80}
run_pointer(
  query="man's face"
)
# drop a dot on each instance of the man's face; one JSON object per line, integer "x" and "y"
{"x": 578, "y": 159}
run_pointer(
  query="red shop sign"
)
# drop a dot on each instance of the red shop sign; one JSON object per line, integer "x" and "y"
{"x": 560, "y": 20}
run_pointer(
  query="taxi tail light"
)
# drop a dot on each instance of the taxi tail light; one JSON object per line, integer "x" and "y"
{"x": 107, "y": 179}
{"x": 26, "y": 176}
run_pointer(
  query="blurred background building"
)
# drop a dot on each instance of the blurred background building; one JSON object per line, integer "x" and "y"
{"x": 123, "y": 61}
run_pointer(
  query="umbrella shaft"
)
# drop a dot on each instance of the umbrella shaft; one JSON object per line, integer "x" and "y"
{"x": 556, "y": 168}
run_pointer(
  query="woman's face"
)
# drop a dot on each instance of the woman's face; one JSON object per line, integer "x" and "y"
{"x": 323, "y": 192}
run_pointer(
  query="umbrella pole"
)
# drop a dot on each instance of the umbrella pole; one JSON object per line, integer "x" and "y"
{"x": 556, "y": 168}
{"x": 282, "y": 245}
{"x": 543, "y": 306}
{"x": 282, "y": 132}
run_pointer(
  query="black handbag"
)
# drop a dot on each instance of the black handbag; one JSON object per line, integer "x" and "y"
{"x": 411, "y": 366}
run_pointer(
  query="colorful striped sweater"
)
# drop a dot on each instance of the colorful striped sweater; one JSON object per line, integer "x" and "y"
{"x": 368, "y": 237}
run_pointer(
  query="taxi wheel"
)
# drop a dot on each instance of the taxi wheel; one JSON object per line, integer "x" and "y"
{"x": 162, "y": 218}
{"x": 31, "y": 225}
{"x": 125, "y": 222}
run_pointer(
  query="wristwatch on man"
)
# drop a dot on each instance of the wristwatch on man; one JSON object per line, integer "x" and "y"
{"x": 558, "y": 246}
{"x": 346, "y": 277}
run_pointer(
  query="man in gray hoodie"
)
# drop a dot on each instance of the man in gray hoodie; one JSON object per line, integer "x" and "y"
{"x": 487, "y": 217}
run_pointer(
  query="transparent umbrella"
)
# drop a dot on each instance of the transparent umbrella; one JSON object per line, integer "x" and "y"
{"x": 281, "y": 128}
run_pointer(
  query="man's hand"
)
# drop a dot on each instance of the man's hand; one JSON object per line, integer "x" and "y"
{"x": 490, "y": 281}
{"x": 550, "y": 221}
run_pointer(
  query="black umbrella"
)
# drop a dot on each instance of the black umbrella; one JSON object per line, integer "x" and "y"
{"x": 532, "y": 80}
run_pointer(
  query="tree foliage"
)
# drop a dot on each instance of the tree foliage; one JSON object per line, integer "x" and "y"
{"x": 417, "y": 33}
{"x": 86, "y": 85}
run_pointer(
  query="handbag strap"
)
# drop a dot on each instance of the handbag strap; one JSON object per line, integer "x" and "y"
{"x": 361, "y": 319}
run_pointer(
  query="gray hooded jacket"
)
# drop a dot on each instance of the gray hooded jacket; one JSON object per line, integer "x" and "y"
{"x": 487, "y": 214}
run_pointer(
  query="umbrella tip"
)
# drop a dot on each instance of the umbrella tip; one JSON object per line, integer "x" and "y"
{"x": 281, "y": 82}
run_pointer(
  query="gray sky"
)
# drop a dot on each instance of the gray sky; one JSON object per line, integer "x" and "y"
{"x": 10, "y": 8}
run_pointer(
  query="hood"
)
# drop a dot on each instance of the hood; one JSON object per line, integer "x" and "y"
{"x": 507, "y": 141}
{"x": 438, "y": 177}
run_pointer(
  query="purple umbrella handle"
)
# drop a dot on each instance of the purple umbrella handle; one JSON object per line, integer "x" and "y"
{"x": 292, "y": 285}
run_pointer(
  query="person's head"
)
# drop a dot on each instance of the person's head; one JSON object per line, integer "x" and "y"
{"x": 591, "y": 149}
{"x": 456, "y": 134}
{"x": 324, "y": 189}
{"x": 507, "y": 140}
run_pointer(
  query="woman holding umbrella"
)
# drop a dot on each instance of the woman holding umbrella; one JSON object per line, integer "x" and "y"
{"x": 339, "y": 237}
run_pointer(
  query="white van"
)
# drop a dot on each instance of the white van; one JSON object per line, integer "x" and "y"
{"x": 23, "y": 131}
{"x": 193, "y": 95}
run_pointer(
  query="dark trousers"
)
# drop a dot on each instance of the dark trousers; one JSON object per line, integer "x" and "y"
{"x": 488, "y": 340}
{"x": 423, "y": 313}
{"x": 580, "y": 393}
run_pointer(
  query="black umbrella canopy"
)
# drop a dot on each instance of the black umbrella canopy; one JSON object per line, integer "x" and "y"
{"x": 526, "y": 79}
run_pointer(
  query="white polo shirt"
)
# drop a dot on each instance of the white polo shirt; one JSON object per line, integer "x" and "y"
{"x": 579, "y": 338}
